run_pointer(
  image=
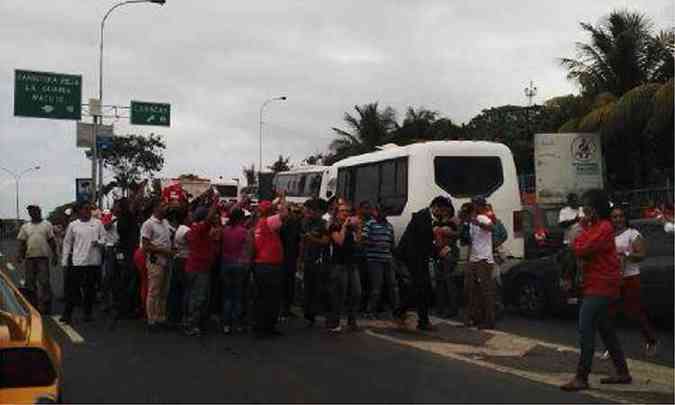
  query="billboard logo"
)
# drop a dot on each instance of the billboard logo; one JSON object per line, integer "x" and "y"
{"x": 583, "y": 148}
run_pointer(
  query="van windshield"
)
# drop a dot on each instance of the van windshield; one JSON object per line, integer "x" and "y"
{"x": 227, "y": 191}
{"x": 468, "y": 176}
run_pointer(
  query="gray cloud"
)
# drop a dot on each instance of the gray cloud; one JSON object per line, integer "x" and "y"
{"x": 217, "y": 61}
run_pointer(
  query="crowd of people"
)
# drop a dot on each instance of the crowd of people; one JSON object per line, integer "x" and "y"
{"x": 175, "y": 264}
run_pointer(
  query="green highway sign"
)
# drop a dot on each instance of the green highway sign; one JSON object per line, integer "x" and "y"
{"x": 47, "y": 95}
{"x": 143, "y": 113}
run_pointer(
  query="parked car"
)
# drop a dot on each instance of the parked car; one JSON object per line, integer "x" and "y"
{"x": 548, "y": 285}
{"x": 543, "y": 236}
{"x": 30, "y": 360}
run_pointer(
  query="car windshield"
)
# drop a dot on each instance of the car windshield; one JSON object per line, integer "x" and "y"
{"x": 9, "y": 301}
{"x": 227, "y": 191}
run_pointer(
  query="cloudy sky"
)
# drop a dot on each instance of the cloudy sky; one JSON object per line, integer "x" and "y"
{"x": 217, "y": 61}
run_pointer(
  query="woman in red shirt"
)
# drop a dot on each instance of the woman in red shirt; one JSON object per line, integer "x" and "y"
{"x": 601, "y": 283}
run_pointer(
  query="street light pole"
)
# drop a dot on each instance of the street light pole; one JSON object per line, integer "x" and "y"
{"x": 17, "y": 177}
{"x": 262, "y": 108}
{"x": 98, "y": 120}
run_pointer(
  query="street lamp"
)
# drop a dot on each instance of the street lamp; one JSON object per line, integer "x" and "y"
{"x": 262, "y": 107}
{"x": 99, "y": 119}
{"x": 17, "y": 177}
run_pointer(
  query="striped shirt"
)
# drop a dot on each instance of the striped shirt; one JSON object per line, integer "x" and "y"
{"x": 378, "y": 238}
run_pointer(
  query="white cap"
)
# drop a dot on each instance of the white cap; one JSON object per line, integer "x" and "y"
{"x": 68, "y": 211}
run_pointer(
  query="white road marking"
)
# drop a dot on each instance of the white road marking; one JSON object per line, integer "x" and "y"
{"x": 68, "y": 330}
{"x": 647, "y": 377}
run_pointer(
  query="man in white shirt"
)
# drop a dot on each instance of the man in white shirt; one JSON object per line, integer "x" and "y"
{"x": 570, "y": 216}
{"x": 156, "y": 240}
{"x": 82, "y": 249}
{"x": 478, "y": 281}
{"x": 36, "y": 244}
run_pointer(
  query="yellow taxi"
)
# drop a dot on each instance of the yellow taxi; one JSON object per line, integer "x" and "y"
{"x": 30, "y": 360}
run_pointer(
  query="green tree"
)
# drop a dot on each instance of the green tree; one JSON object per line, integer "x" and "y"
{"x": 417, "y": 125}
{"x": 635, "y": 128}
{"x": 132, "y": 157}
{"x": 621, "y": 55}
{"x": 369, "y": 128}
{"x": 282, "y": 164}
{"x": 316, "y": 159}
{"x": 513, "y": 126}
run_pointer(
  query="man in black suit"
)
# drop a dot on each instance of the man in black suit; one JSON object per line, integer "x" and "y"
{"x": 414, "y": 249}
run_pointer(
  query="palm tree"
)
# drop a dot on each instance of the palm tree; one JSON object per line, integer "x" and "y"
{"x": 282, "y": 164}
{"x": 370, "y": 128}
{"x": 622, "y": 54}
{"x": 249, "y": 175}
{"x": 417, "y": 125}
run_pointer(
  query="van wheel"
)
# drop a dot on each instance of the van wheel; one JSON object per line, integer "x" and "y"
{"x": 531, "y": 298}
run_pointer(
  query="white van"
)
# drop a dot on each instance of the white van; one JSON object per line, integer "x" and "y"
{"x": 406, "y": 178}
{"x": 228, "y": 190}
{"x": 304, "y": 183}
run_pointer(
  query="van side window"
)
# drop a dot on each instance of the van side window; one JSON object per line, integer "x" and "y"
{"x": 468, "y": 176}
{"x": 313, "y": 185}
{"x": 367, "y": 179}
{"x": 394, "y": 185}
{"x": 383, "y": 182}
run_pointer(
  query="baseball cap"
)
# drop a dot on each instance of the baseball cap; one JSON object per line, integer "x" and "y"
{"x": 32, "y": 207}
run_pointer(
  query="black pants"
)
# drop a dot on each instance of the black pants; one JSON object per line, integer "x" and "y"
{"x": 288, "y": 284}
{"x": 80, "y": 288}
{"x": 420, "y": 295}
{"x": 364, "y": 278}
{"x": 312, "y": 289}
{"x": 176, "y": 302}
{"x": 268, "y": 297}
{"x": 123, "y": 284}
{"x": 446, "y": 291}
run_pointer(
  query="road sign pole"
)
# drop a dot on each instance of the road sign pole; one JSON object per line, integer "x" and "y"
{"x": 94, "y": 159}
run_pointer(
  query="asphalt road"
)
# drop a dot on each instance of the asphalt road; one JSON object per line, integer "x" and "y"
{"x": 128, "y": 364}
{"x": 123, "y": 363}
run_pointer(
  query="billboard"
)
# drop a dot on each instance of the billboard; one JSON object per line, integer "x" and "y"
{"x": 567, "y": 163}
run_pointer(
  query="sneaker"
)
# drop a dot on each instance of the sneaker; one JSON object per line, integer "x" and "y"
{"x": 651, "y": 349}
{"x": 194, "y": 331}
{"x": 227, "y": 330}
{"x": 605, "y": 355}
{"x": 337, "y": 329}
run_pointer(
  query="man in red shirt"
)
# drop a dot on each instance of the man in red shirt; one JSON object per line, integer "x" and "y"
{"x": 268, "y": 261}
{"x": 198, "y": 266}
